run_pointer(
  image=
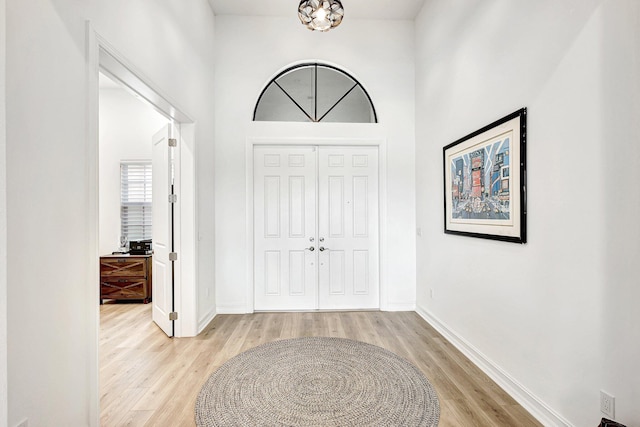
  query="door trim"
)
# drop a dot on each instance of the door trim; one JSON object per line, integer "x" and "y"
{"x": 381, "y": 143}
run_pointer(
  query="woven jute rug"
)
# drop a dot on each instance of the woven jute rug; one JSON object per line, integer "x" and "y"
{"x": 317, "y": 382}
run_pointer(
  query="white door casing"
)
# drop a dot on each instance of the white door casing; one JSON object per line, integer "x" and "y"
{"x": 348, "y": 227}
{"x": 162, "y": 169}
{"x": 302, "y": 195}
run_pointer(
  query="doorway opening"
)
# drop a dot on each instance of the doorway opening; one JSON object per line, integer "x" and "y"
{"x": 179, "y": 164}
{"x": 135, "y": 142}
{"x": 126, "y": 177}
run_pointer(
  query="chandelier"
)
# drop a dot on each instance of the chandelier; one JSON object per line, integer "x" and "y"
{"x": 320, "y": 15}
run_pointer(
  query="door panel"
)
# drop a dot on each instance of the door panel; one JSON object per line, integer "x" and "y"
{"x": 272, "y": 206}
{"x": 336, "y": 274}
{"x": 336, "y": 205}
{"x": 285, "y": 270}
{"x": 360, "y": 206}
{"x": 162, "y": 269}
{"x": 361, "y": 272}
{"x": 297, "y": 272}
{"x": 348, "y": 227}
{"x": 272, "y": 268}
{"x": 296, "y": 207}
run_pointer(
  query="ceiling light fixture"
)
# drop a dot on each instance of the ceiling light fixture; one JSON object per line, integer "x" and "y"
{"x": 320, "y": 15}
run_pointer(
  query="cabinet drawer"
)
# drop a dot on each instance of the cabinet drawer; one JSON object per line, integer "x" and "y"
{"x": 124, "y": 288}
{"x": 120, "y": 267}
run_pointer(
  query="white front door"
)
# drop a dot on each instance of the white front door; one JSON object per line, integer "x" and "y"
{"x": 285, "y": 228}
{"x": 162, "y": 271}
{"x": 316, "y": 228}
{"x": 348, "y": 227}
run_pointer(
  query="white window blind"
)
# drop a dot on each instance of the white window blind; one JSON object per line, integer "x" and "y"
{"x": 135, "y": 200}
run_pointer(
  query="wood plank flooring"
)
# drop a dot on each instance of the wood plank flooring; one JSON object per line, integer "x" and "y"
{"x": 147, "y": 379}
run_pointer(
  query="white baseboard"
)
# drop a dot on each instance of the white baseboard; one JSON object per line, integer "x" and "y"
{"x": 231, "y": 309}
{"x": 398, "y": 307}
{"x": 541, "y": 411}
{"x": 204, "y": 321}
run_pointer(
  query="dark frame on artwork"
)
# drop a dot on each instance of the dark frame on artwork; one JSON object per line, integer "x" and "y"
{"x": 485, "y": 181}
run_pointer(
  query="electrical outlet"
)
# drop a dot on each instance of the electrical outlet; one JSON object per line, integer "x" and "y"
{"x": 431, "y": 293}
{"x": 607, "y": 404}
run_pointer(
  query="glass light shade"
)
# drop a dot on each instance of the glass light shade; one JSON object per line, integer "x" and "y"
{"x": 320, "y": 15}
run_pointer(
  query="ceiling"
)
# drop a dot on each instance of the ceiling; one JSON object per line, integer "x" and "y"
{"x": 357, "y": 9}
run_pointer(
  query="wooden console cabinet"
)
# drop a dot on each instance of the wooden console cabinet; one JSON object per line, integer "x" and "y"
{"x": 125, "y": 277}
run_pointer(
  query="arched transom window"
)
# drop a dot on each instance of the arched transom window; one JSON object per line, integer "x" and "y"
{"x": 314, "y": 93}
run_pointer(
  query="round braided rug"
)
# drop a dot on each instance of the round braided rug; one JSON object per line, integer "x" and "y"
{"x": 317, "y": 382}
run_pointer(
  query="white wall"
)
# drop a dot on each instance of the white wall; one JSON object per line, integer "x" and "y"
{"x": 51, "y": 315}
{"x": 126, "y": 128}
{"x": 3, "y": 222}
{"x": 558, "y": 315}
{"x": 250, "y": 50}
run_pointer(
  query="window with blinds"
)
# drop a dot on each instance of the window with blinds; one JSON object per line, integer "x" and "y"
{"x": 135, "y": 200}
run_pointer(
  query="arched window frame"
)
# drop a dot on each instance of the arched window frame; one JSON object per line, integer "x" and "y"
{"x": 315, "y": 119}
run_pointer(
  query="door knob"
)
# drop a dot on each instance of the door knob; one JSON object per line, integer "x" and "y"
{"x": 322, "y": 249}
{"x": 311, "y": 239}
{"x": 310, "y": 249}
{"x": 322, "y": 239}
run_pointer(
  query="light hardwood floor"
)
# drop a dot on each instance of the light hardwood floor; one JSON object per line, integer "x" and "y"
{"x": 147, "y": 379}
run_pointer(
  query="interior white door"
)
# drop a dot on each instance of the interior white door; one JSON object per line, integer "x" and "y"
{"x": 162, "y": 288}
{"x": 348, "y": 228}
{"x": 285, "y": 250}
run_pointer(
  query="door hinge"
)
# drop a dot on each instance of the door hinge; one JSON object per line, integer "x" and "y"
{"x": 173, "y": 142}
{"x": 173, "y": 256}
{"x": 173, "y": 315}
{"x": 173, "y": 198}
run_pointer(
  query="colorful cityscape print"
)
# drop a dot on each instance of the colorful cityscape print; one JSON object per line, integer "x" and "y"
{"x": 480, "y": 182}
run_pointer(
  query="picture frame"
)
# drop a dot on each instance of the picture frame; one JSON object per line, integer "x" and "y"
{"x": 485, "y": 181}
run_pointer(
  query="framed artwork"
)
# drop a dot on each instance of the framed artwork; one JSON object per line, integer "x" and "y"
{"x": 485, "y": 177}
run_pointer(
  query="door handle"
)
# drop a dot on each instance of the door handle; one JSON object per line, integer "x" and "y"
{"x": 310, "y": 249}
{"x": 322, "y": 249}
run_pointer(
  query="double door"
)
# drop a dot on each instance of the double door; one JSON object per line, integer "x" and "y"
{"x": 316, "y": 228}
